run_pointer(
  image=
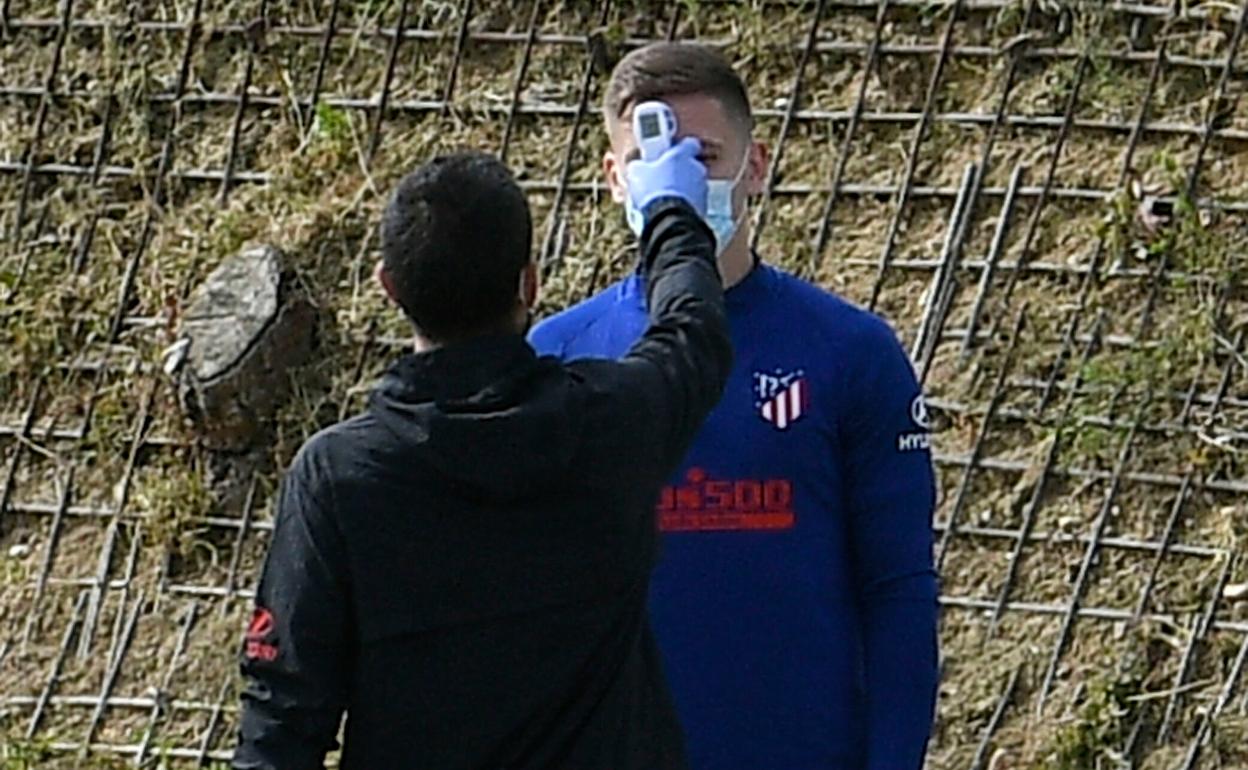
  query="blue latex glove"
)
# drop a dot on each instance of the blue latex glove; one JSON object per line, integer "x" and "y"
{"x": 676, "y": 173}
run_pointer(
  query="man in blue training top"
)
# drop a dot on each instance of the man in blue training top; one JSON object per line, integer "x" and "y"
{"x": 795, "y": 601}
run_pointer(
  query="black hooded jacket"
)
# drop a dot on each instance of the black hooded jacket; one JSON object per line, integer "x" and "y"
{"x": 463, "y": 568}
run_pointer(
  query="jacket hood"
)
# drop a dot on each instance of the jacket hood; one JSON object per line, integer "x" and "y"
{"x": 475, "y": 412}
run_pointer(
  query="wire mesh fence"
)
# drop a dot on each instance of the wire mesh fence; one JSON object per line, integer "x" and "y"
{"x": 1047, "y": 199}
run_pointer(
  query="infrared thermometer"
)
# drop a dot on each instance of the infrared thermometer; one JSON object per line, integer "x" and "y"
{"x": 654, "y": 128}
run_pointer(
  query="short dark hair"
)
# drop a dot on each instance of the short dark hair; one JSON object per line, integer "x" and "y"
{"x": 455, "y": 237}
{"x": 666, "y": 69}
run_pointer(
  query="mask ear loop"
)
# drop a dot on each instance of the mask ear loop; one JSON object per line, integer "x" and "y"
{"x": 745, "y": 206}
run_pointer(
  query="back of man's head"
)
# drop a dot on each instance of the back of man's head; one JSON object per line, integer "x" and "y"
{"x": 455, "y": 239}
{"x": 663, "y": 70}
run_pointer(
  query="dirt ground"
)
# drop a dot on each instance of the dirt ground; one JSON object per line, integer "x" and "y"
{"x": 126, "y": 573}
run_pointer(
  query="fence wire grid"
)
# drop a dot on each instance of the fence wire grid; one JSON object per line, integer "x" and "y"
{"x": 1045, "y": 197}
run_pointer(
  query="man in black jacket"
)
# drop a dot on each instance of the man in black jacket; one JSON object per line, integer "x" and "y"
{"x": 463, "y": 568}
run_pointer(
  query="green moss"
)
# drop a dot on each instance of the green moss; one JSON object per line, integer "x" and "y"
{"x": 331, "y": 123}
{"x": 20, "y": 754}
{"x": 1096, "y": 736}
{"x": 1199, "y": 254}
{"x": 173, "y": 490}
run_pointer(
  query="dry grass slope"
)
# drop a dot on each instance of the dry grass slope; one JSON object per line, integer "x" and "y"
{"x": 1086, "y": 364}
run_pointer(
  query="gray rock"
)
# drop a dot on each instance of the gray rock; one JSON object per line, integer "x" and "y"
{"x": 246, "y": 327}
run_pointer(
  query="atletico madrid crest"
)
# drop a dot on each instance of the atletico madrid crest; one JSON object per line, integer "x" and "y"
{"x": 782, "y": 398}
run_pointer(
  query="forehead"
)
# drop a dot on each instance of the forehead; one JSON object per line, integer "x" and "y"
{"x": 696, "y": 115}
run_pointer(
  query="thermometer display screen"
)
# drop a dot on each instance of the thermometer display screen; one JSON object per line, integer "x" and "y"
{"x": 649, "y": 124}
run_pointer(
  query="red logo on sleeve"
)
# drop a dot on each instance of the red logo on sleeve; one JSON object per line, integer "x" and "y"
{"x": 705, "y": 504}
{"x": 257, "y": 644}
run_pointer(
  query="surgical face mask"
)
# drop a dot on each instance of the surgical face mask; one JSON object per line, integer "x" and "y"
{"x": 719, "y": 214}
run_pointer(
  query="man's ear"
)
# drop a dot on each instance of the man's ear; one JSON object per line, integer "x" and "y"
{"x": 386, "y": 280}
{"x": 760, "y": 162}
{"x": 530, "y": 281}
{"x": 613, "y": 172}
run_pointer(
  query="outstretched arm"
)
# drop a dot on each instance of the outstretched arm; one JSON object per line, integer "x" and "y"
{"x": 676, "y": 372}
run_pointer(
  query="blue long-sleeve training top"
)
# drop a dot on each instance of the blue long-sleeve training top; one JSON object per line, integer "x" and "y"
{"x": 795, "y": 598}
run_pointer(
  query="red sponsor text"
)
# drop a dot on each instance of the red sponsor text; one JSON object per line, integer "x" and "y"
{"x": 705, "y": 504}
